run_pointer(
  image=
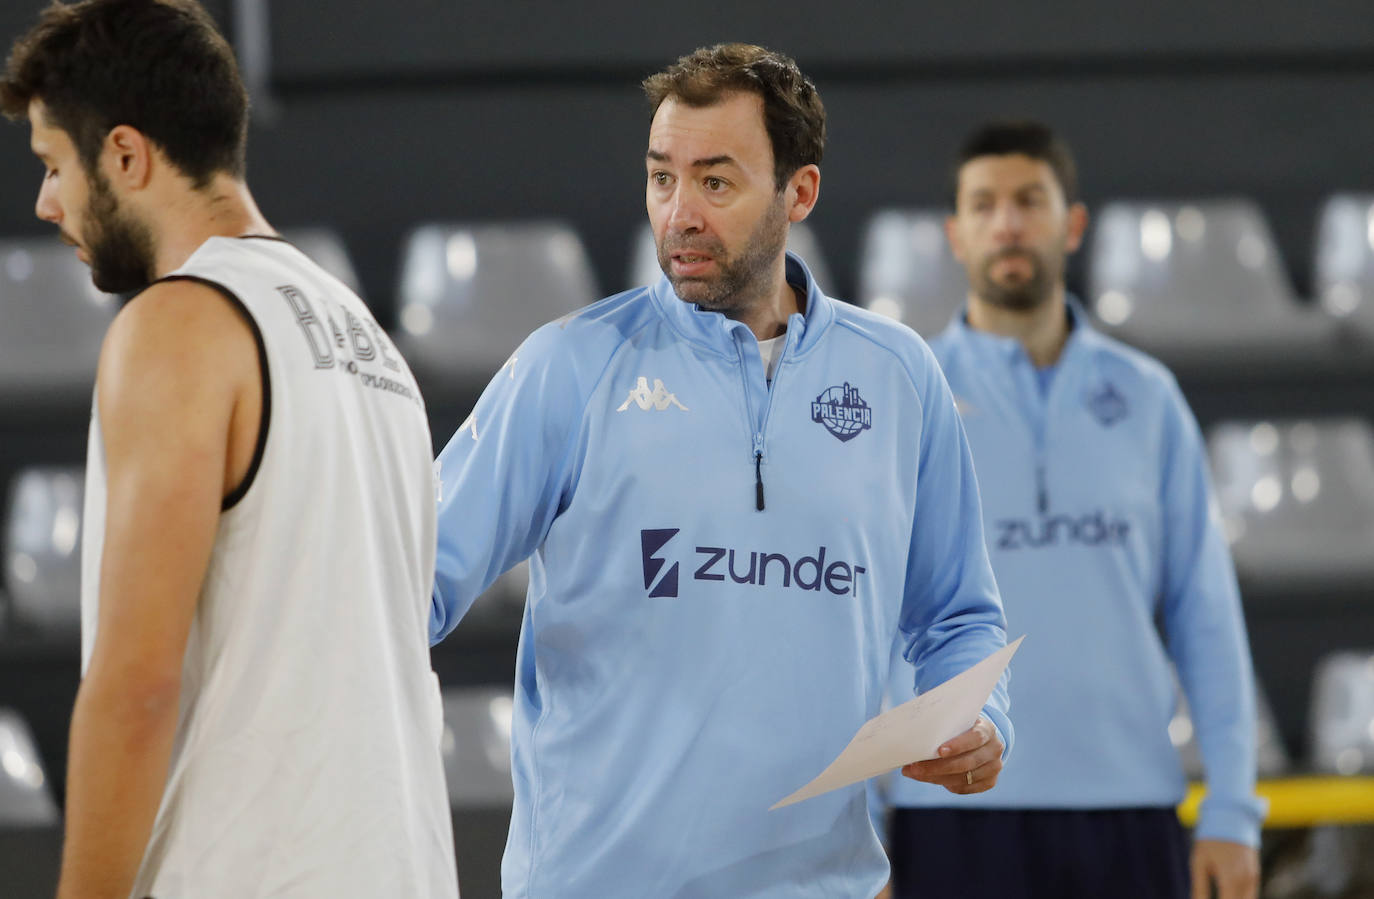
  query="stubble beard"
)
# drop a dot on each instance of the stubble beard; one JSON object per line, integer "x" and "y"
{"x": 741, "y": 280}
{"x": 1025, "y": 295}
{"x": 120, "y": 247}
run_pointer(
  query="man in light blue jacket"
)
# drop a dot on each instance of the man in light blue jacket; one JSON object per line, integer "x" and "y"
{"x": 1096, "y": 500}
{"x": 733, "y": 491}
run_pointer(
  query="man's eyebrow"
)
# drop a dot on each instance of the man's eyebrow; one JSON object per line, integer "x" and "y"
{"x": 712, "y": 161}
{"x": 705, "y": 163}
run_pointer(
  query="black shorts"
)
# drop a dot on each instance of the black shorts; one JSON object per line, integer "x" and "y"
{"x": 1139, "y": 853}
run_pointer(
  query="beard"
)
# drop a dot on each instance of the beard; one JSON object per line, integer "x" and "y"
{"x": 119, "y": 246}
{"x": 1021, "y": 296}
{"x": 741, "y": 278}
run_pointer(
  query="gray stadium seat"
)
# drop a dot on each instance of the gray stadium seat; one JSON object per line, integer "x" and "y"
{"x": 476, "y": 746}
{"x": 1271, "y": 757}
{"x": 25, "y": 794}
{"x": 1199, "y": 282}
{"x": 907, "y": 271}
{"x": 470, "y": 293}
{"x": 1344, "y": 272}
{"x": 1342, "y": 714}
{"x": 54, "y": 322}
{"x": 1297, "y": 498}
{"x": 801, "y": 239}
{"x": 327, "y": 248}
{"x": 42, "y": 550}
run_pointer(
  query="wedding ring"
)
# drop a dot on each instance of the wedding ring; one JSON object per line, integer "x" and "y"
{"x": 968, "y": 775}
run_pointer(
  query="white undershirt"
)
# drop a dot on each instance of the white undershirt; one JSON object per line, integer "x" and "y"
{"x": 770, "y": 350}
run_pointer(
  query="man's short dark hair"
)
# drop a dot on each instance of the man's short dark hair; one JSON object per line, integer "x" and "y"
{"x": 793, "y": 114}
{"x": 1018, "y": 137}
{"x": 159, "y": 66}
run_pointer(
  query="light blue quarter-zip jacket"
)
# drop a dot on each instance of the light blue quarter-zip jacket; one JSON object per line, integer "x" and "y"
{"x": 718, "y": 567}
{"x": 1096, "y": 500}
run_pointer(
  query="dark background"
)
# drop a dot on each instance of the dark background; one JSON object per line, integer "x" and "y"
{"x": 380, "y": 114}
{"x": 384, "y": 114}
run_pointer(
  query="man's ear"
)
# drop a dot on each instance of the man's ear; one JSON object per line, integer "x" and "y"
{"x": 956, "y": 246}
{"x": 1077, "y": 227}
{"x": 804, "y": 189}
{"x": 126, "y": 158}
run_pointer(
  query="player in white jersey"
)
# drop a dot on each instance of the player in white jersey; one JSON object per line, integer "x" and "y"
{"x": 257, "y": 715}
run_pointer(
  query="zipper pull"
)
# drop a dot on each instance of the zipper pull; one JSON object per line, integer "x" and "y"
{"x": 758, "y": 480}
{"x": 1042, "y": 496}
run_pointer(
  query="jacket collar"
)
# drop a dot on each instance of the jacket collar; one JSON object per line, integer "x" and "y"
{"x": 1082, "y": 336}
{"x": 716, "y": 333}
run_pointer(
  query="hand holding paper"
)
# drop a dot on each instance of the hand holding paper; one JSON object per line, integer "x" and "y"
{"x": 913, "y": 730}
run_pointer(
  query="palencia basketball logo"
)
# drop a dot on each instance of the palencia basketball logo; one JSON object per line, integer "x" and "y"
{"x": 753, "y": 568}
{"x": 843, "y": 412}
{"x": 1106, "y": 404}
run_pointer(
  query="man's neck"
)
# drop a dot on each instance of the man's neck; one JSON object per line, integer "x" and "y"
{"x": 1042, "y": 330}
{"x": 767, "y": 316}
{"x": 225, "y": 208}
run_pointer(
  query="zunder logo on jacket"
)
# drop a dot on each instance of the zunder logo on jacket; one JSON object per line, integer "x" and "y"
{"x": 755, "y": 568}
{"x": 843, "y": 412}
{"x": 1094, "y": 529}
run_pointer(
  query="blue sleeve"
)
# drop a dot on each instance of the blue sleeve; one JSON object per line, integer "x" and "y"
{"x": 952, "y": 613}
{"x": 504, "y": 475}
{"x": 1205, "y": 631}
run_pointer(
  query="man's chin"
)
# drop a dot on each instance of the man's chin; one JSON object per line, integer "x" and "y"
{"x": 123, "y": 286}
{"x": 692, "y": 290}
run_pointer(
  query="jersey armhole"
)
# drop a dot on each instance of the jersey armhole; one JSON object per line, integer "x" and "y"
{"x": 238, "y": 493}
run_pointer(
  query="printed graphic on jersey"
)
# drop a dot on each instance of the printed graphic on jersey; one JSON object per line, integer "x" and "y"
{"x": 659, "y": 398}
{"x": 1107, "y": 404}
{"x": 650, "y": 542}
{"x": 843, "y": 412}
{"x": 349, "y": 347}
{"x": 755, "y": 568}
{"x": 1093, "y": 529}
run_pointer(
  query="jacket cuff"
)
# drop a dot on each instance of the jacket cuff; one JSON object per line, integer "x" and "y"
{"x": 1232, "y": 820}
{"x": 1000, "y": 721}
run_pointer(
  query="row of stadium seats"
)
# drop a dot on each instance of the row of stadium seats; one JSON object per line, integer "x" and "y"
{"x": 1200, "y": 281}
{"x": 1196, "y": 282}
{"x": 1296, "y": 499}
{"x": 477, "y": 734}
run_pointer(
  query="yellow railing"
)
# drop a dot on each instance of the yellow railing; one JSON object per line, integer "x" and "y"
{"x": 1303, "y": 801}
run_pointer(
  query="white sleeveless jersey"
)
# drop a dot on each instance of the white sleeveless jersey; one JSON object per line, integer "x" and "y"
{"x": 307, "y": 754}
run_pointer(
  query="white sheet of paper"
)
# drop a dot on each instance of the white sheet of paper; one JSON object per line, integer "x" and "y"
{"x": 912, "y": 731}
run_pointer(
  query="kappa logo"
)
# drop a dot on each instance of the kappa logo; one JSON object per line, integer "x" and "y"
{"x": 659, "y": 398}
{"x": 1107, "y": 404}
{"x": 843, "y": 412}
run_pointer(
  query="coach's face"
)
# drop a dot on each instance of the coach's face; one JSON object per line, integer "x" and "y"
{"x": 1012, "y": 229}
{"x": 719, "y": 221}
{"x": 88, "y": 215}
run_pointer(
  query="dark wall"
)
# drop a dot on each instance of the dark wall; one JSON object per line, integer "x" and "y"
{"x": 419, "y": 36}
{"x": 389, "y": 113}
